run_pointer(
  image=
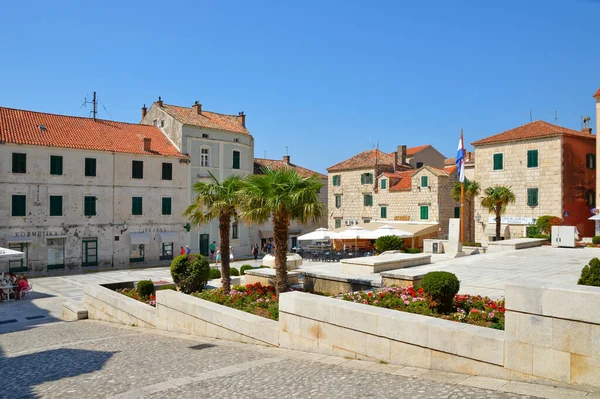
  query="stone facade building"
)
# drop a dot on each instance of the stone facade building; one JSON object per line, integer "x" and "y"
{"x": 83, "y": 194}
{"x": 216, "y": 144}
{"x": 597, "y": 97}
{"x": 551, "y": 171}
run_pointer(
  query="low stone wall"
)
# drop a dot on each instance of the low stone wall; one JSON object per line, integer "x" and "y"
{"x": 384, "y": 262}
{"x": 108, "y": 305}
{"x": 336, "y": 284}
{"x": 190, "y": 315}
{"x": 515, "y": 244}
{"x": 266, "y": 276}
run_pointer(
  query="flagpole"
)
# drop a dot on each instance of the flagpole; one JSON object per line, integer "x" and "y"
{"x": 462, "y": 200}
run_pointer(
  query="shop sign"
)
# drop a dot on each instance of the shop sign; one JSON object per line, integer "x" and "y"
{"x": 41, "y": 234}
{"x": 513, "y": 220}
{"x": 402, "y": 218}
{"x": 151, "y": 230}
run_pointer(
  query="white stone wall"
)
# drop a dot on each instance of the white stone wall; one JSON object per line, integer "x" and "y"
{"x": 547, "y": 177}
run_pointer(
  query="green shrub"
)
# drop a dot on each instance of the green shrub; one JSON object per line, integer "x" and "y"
{"x": 263, "y": 267}
{"x": 471, "y": 244}
{"x": 590, "y": 275}
{"x": 190, "y": 272}
{"x": 389, "y": 243}
{"x": 545, "y": 223}
{"x": 145, "y": 288}
{"x": 545, "y": 236}
{"x": 214, "y": 273}
{"x": 233, "y": 272}
{"x": 596, "y": 240}
{"x": 413, "y": 250}
{"x": 440, "y": 289}
{"x": 244, "y": 268}
{"x": 532, "y": 231}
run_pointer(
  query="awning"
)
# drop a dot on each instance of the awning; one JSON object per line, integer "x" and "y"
{"x": 490, "y": 230}
{"x": 19, "y": 239}
{"x": 10, "y": 254}
{"x": 266, "y": 233}
{"x": 139, "y": 238}
{"x": 417, "y": 229}
{"x": 168, "y": 236}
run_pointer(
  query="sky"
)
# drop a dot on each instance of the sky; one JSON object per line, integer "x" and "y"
{"x": 322, "y": 80}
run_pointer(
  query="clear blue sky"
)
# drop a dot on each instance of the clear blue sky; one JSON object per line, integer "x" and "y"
{"x": 326, "y": 78}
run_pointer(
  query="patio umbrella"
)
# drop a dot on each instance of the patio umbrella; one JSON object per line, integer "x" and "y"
{"x": 319, "y": 234}
{"x": 10, "y": 254}
{"x": 355, "y": 232}
{"x": 389, "y": 231}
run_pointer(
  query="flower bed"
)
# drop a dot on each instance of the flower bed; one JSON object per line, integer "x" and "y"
{"x": 252, "y": 298}
{"x": 132, "y": 293}
{"x": 476, "y": 310}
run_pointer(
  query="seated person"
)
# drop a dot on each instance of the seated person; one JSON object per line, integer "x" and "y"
{"x": 22, "y": 285}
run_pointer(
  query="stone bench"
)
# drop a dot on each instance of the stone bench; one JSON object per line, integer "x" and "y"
{"x": 73, "y": 311}
{"x": 401, "y": 278}
{"x": 266, "y": 276}
{"x": 334, "y": 284}
{"x": 382, "y": 263}
{"x": 515, "y": 244}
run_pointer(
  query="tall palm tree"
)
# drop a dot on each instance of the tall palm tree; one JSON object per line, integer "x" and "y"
{"x": 283, "y": 195}
{"x": 217, "y": 200}
{"x": 472, "y": 190}
{"x": 496, "y": 199}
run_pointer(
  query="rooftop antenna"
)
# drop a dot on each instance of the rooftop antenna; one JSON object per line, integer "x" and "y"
{"x": 94, "y": 102}
{"x": 585, "y": 120}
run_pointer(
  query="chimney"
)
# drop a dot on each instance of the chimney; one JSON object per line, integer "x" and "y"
{"x": 144, "y": 111}
{"x": 197, "y": 108}
{"x": 159, "y": 102}
{"x": 401, "y": 153}
{"x": 586, "y": 128}
{"x": 395, "y": 161}
{"x": 241, "y": 115}
{"x": 286, "y": 159}
{"x": 147, "y": 144}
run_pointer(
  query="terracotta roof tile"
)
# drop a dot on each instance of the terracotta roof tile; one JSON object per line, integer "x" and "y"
{"x": 260, "y": 163}
{"x": 413, "y": 150}
{"x": 450, "y": 161}
{"x": 449, "y": 169}
{"x": 597, "y": 93}
{"x": 23, "y": 127}
{"x": 405, "y": 182}
{"x": 366, "y": 159}
{"x": 532, "y": 130}
{"x": 206, "y": 119}
{"x": 393, "y": 175}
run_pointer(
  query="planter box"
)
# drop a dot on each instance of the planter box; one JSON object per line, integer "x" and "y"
{"x": 108, "y": 305}
{"x": 383, "y": 262}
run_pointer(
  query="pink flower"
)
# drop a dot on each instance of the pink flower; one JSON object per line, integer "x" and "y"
{"x": 406, "y": 303}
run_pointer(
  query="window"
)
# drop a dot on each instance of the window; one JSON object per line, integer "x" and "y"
{"x": 19, "y": 265}
{"x": 532, "y": 197}
{"x": 19, "y": 163}
{"x": 166, "y": 206}
{"x": 136, "y": 205}
{"x": 236, "y": 140}
{"x": 338, "y": 201}
{"x": 90, "y": 167}
{"x": 56, "y": 253}
{"x": 424, "y": 181}
{"x": 532, "y": 158}
{"x": 383, "y": 184}
{"x": 204, "y": 157}
{"x": 366, "y": 178}
{"x": 590, "y": 161}
{"x": 591, "y": 198}
{"x": 89, "y": 253}
{"x": 56, "y": 205}
{"x": 419, "y": 165}
{"x": 236, "y": 160}
{"x": 19, "y": 207}
{"x": 89, "y": 206}
{"x": 234, "y": 231}
{"x": 136, "y": 252}
{"x": 338, "y": 223}
{"x": 162, "y": 123}
{"x": 368, "y": 200}
{"x": 137, "y": 169}
{"x": 498, "y": 161}
{"x": 167, "y": 171}
{"x": 383, "y": 212}
{"x": 166, "y": 251}
{"x": 204, "y": 135}
{"x": 424, "y": 212}
{"x": 155, "y": 122}
{"x": 366, "y": 220}
{"x": 457, "y": 212}
{"x": 337, "y": 180}
{"x": 56, "y": 165}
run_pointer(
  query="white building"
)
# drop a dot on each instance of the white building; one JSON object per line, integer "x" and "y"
{"x": 79, "y": 193}
{"x": 216, "y": 143}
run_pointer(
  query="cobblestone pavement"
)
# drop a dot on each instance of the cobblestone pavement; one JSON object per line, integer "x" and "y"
{"x": 91, "y": 359}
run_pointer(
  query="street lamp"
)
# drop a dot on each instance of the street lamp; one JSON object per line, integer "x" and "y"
{"x": 478, "y": 217}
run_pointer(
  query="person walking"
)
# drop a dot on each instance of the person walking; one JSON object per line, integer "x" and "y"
{"x": 212, "y": 248}
{"x": 255, "y": 252}
{"x": 187, "y": 250}
{"x": 231, "y": 254}
{"x": 218, "y": 259}
{"x": 269, "y": 247}
{"x": 182, "y": 252}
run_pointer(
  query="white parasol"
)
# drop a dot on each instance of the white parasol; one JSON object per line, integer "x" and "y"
{"x": 389, "y": 231}
{"x": 355, "y": 232}
{"x": 319, "y": 234}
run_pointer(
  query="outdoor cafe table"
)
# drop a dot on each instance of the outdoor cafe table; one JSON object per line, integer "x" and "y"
{"x": 7, "y": 289}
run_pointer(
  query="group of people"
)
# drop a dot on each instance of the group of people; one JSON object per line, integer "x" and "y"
{"x": 17, "y": 286}
{"x": 215, "y": 251}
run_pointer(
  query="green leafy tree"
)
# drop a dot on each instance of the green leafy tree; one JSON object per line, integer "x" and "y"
{"x": 496, "y": 199}
{"x": 472, "y": 190}
{"x": 590, "y": 275}
{"x": 283, "y": 195}
{"x": 389, "y": 243}
{"x": 220, "y": 201}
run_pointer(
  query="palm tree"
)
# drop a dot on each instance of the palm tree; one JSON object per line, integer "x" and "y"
{"x": 285, "y": 196}
{"x": 472, "y": 190}
{"x": 496, "y": 199}
{"x": 219, "y": 201}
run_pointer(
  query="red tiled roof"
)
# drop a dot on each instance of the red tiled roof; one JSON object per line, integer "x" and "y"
{"x": 393, "y": 175}
{"x": 23, "y": 127}
{"x": 532, "y": 130}
{"x": 597, "y": 93}
{"x": 450, "y": 168}
{"x": 366, "y": 159}
{"x": 260, "y": 163}
{"x": 469, "y": 158}
{"x": 450, "y": 161}
{"x": 413, "y": 150}
{"x": 206, "y": 119}
{"x": 405, "y": 182}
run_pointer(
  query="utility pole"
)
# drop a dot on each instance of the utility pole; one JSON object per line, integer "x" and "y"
{"x": 94, "y": 103}
{"x": 95, "y": 109}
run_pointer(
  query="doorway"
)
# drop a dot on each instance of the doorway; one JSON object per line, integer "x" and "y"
{"x": 203, "y": 244}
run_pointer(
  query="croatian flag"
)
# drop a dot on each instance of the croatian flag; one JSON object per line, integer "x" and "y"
{"x": 460, "y": 159}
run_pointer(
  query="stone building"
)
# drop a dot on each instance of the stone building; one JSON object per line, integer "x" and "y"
{"x": 374, "y": 186}
{"x": 83, "y": 194}
{"x": 551, "y": 171}
{"x": 597, "y": 97}
{"x": 424, "y": 155}
{"x": 216, "y": 144}
{"x": 264, "y": 233}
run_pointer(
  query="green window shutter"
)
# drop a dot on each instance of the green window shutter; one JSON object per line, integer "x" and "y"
{"x": 498, "y": 161}
{"x": 424, "y": 212}
{"x": 236, "y": 160}
{"x": 532, "y": 197}
{"x": 136, "y": 205}
{"x": 19, "y": 207}
{"x": 457, "y": 211}
{"x": 89, "y": 206}
{"x": 338, "y": 201}
{"x": 90, "y": 166}
{"x": 424, "y": 181}
{"x": 384, "y": 212}
{"x": 56, "y": 205}
{"x": 336, "y": 180}
{"x": 368, "y": 200}
{"x": 167, "y": 171}
{"x": 19, "y": 163}
{"x": 56, "y": 165}
{"x": 166, "y": 206}
{"x": 532, "y": 158}
{"x": 383, "y": 184}
{"x": 338, "y": 223}
{"x": 362, "y": 178}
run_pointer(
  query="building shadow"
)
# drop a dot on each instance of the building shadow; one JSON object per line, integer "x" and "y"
{"x": 21, "y": 314}
{"x": 20, "y": 374}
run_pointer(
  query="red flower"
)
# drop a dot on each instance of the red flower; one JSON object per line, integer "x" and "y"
{"x": 420, "y": 290}
{"x": 370, "y": 294}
